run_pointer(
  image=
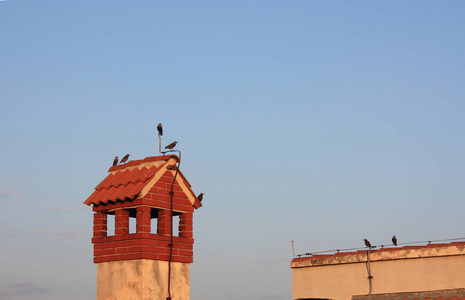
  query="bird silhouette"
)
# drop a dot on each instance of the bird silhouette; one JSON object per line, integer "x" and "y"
{"x": 125, "y": 159}
{"x": 171, "y": 146}
{"x": 394, "y": 240}
{"x": 115, "y": 161}
{"x": 367, "y": 243}
{"x": 160, "y": 129}
{"x": 200, "y": 197}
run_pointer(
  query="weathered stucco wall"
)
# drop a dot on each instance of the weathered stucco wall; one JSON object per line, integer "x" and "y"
{"x": 141, "y": 279}
{"x": 400, "y": 270}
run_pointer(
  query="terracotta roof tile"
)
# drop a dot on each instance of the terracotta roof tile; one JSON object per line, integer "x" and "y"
{"x": 141, "y": 161}
{"x": 344, "y": 253}
{"x": 436, "y": 245}
{"x": 458, "y": 244}
{"x": 121, "y": 185}
{"x": 412, "y": 247}
{"x": 125, "y": 181}
{"x": 321, "y": 256}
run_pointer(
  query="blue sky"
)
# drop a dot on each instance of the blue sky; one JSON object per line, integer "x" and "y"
{"x": 320, "y": 122}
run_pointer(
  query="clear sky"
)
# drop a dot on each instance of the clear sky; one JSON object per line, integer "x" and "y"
{"x": 323, "y": 122}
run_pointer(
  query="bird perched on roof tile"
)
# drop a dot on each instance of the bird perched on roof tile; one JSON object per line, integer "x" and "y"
{"x": 125, "y": 159}
{"x": 200, "y": 197}
{"x": 115, "y": 161}
{"x": 367, "y": 243}
{"x": 394, "y": 240}
{"x": 160, "y": 129}
{"x": 171, "y": 167}
{"x": 171, "y": 146}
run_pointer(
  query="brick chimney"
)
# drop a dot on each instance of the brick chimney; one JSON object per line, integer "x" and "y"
{"x": 152, "y": 262}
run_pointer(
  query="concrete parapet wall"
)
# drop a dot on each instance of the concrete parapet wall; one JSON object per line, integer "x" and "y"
{"x": 400, "y": 270}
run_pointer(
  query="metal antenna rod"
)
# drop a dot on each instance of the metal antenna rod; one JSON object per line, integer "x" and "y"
{"x": 171, "y": 221}
{"x": 167, "y": 151}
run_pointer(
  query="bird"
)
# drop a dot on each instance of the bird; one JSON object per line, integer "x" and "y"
{"x": 125, "y": 159}
{"x": 367, "y": 243}
{"x": 171, "y": 167}
{"x": 171, "y": 146}
{"x": 394, "y": 240}
{"x": 115, "y": 161}
{"x": 200, "y": 197}
{"x": 160, "y": 129}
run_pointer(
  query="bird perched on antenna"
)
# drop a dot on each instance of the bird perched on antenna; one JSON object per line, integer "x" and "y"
{"x": 394, "y": 240}
{"x": 200, "y": 197}
{"x": 367, "y": 243}
{"x": 125, "y": 159}
{"x": 171, "y": 146}
{"x": 160, "y": 129}
{"x": 115, "y": 161}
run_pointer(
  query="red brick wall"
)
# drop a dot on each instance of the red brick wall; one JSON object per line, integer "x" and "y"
{"x": 142, "y": 245}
